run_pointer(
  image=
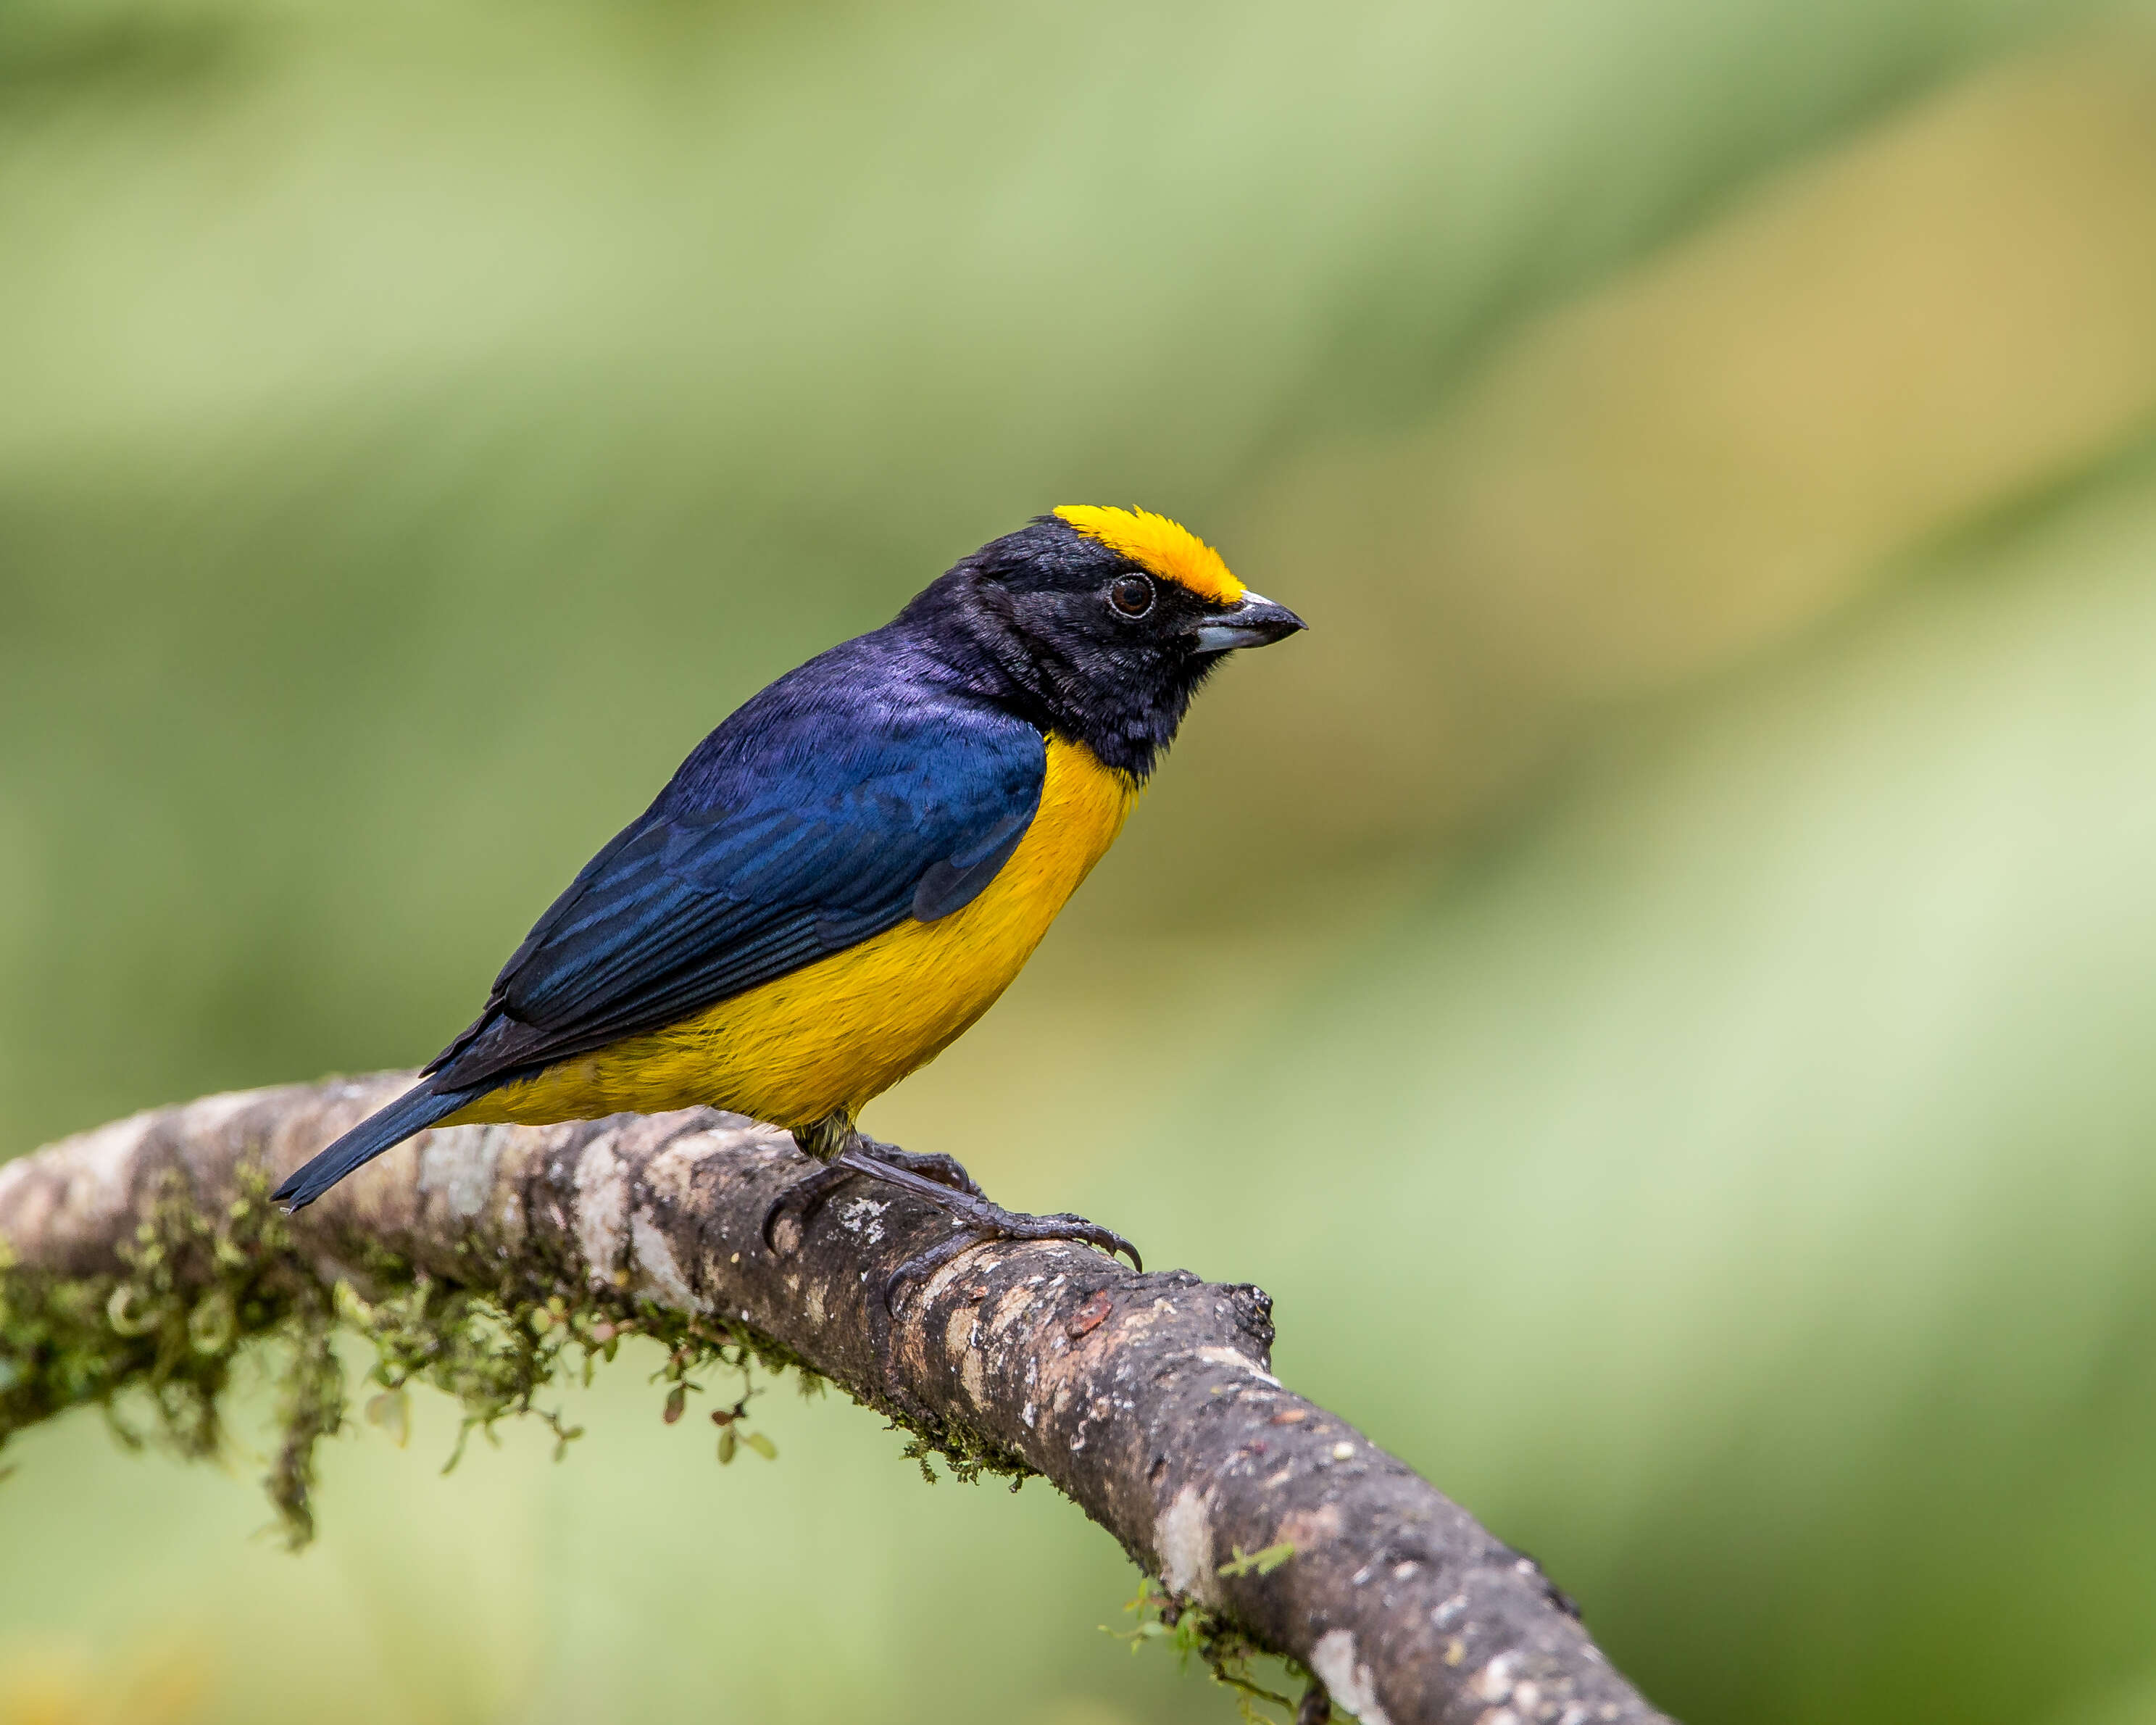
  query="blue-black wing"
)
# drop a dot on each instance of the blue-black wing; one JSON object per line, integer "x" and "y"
{"x": 791, "y": 834}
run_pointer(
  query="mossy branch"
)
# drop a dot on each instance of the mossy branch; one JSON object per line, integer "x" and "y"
{"x": 138, "y": 1261}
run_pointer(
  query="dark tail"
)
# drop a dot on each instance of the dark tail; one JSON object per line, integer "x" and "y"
{"x": 415, "y": 1111}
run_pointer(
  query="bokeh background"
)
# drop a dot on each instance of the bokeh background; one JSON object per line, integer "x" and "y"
{"x": 1660, "y": 983}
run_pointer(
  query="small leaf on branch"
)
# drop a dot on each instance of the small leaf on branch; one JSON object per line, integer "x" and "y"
{"x": 392, "y": 1410}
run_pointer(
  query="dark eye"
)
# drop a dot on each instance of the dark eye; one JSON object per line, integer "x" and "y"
{"x": 1130, "y": 594}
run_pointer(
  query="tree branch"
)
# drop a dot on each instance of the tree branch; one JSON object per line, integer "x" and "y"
{"x": 1146, "y": 1398}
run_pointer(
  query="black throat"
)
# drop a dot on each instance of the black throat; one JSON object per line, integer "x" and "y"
{"x": 1125, "y": 705}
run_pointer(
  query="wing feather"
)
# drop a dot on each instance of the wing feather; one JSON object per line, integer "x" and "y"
{"x": 762, "y": 856}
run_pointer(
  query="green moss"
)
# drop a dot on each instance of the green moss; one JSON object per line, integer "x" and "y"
{"x": 966, "y": 1452}
{"x": 310, "y": 1407}
{"x": 1230, "y": 1657}
{"x": 154, "y": 1345}
{"x": 166, "y": 1329}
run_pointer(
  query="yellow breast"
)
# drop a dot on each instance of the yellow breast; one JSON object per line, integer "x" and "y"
{"x": 825, "y": 1039}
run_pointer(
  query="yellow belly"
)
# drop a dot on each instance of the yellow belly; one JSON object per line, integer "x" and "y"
{"x": 825, "y": 1039}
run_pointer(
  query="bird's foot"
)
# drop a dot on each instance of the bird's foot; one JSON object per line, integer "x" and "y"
{"x": 981, "y": 1222}
{"x": 858, "y": 1156}
{"x": 944, "y": 1183}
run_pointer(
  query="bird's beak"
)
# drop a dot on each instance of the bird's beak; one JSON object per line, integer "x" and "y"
{"x": 1252, "y": 621}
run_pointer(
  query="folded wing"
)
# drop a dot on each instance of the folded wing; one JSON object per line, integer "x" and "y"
{"x": 751, "y": 864}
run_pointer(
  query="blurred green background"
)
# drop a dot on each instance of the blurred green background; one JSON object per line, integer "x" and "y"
{"x": 1660, "y": 983}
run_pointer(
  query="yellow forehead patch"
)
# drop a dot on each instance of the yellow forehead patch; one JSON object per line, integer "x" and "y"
{"x": 1159, "y": 546}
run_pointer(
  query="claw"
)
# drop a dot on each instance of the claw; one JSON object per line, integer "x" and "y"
{"x": 807, "y": 1194}
{"x": 926, "y": 1263}
{"x": 1004, "y": 1224}
{"x": 1091, "y": 1234}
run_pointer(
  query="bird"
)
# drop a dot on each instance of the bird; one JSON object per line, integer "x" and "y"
{"x": 841, "y": 878}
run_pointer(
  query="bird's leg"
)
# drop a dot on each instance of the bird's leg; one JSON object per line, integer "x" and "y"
{"x": 944, "y": 1170}
{"x": 845, "y": 1153}
{"x": 940, "y": 1179}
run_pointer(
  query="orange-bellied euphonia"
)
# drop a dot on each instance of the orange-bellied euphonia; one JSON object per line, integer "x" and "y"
{"x": 846, "y": 873}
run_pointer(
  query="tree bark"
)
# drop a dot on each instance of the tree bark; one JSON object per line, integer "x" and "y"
{"x": 1147, "y": 1399}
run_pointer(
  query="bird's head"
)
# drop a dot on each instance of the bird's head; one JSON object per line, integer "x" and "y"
{"x": 1108, "y": 619}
